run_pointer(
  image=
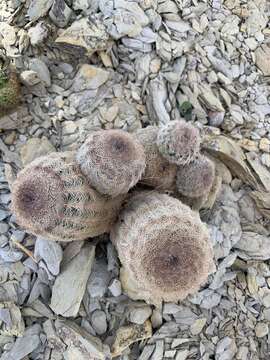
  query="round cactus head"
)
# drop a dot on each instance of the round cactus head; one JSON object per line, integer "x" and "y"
{"x": 159, "y": 173}
{"x": 10, "y": 91}
{"x": 52, "y": 199}
{"x": 163, "y": 246}
{"x": 196, "y": 178}
{"x": 38, "y": 198}
{"x": 112, "y": 160}
{"x": 179, "y": 142}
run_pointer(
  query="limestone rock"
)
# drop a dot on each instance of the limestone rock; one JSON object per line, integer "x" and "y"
{"x": 89, "y": 77}
{"x": 60, "y": 13}
{"x": 127, "y": 335}
{"x": 69, "y": 287}
{"x": 262, "y": 56}
{"x": 18, "y": 119}
{"x": 38, "y": 9}
{"x": 138, "y": 315}
{"x": 81, "y": 345}
{"x": 29, "y": 78}
{"x": 51, "y": 252}
{"x": 42, "y": 70}
{"x": 86, "y": 36}
{"x": 35, "y": 148}
{"x": 253, "y": 246}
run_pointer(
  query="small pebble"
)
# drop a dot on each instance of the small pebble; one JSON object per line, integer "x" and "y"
{"x": 18, "y": 235}
{"x": 3, "y": 227}
{"x": 261, "y": 329}
{"x": 99, "y": 321}
{"x": 115, "y": 288}
{"x": 197, "y": 326}
{"x": 139, "y": 315}
{"x": 29, "y": 77}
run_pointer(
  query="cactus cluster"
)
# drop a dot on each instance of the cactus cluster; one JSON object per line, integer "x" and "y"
{"x": 162, "y": 244}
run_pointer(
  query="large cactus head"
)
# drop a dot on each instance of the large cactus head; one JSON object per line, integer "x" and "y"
{"x": 51, "y": 198}
{"x": 196, "y": 178}
{"x": 159, "y": 173}
{"x": 112, "y": 160}
{"x": 163, "y": 246}
{"x": 179, "y": 142}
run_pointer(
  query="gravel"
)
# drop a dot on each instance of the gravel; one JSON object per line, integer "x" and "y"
{"x": 87, "y": 65}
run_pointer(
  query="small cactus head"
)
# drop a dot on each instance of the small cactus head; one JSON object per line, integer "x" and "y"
{"x": 179, "y": 142}
{"x": 112, "y": 160}
{"x": 159, "y": 173}
{"x": 10, "y": 91}
{"x": 196, "y": 178}
{"x": 52, "y": 199}
{"x": 163, "y": 246}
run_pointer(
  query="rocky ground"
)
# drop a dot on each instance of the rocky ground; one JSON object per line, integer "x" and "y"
{"x": 137, "y": 63}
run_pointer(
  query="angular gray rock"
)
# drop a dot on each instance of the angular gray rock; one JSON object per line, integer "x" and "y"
{"x": 51, "y": 252}
{"x": 253, "y": 246}
{"x": 99, "y": 279}
{"x": 24, "y": 345}
{"x": 86, "y": 35}
{"x": 38, "y": 9}
{"x": 138, "y": 315}
{"x": 69, "y": 286}
{"x": 99, "y": 322}
{"x": 60, "y": 13}
{"x": 80, "y": 343}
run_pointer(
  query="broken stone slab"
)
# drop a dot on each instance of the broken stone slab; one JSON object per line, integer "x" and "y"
{"x": 38, "y": 9}
{"x": 34, "y": 148}
{"x": 11, "y": 320}
{"x": 37, "y": 35}
{"x": 156, "y": 100}
{"x": 127, "y": 18}
{"x": 262, "y": 56}
{"x": 60, "y": 13}
{"x": 99, "y": 279}
{"x": 89, "y": 77}
{"x": 261, "y": 171}
{"x": 127, "y": 335}
{"x": 226, "y": 349}
{"x": 51, "y": 252}
{"x": 262, "y": 200}
{"x": 209, "y": 99}
{"x": 70, "y": 285}
{"x": 253, "y": 246}
{"x": 37, "y": 309}
{"x": 18, "y": 119}
{"x": 41, "y": 69}
{"x": 85, "y": 36}
{"x": 24, "y": 345}
{"x": 223, "y": 221}
{"x": 138, "y": 315}
{"x": 53, "y": 339}
{"x": 231, "y": 154}
{"x": 81, "y": 345}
